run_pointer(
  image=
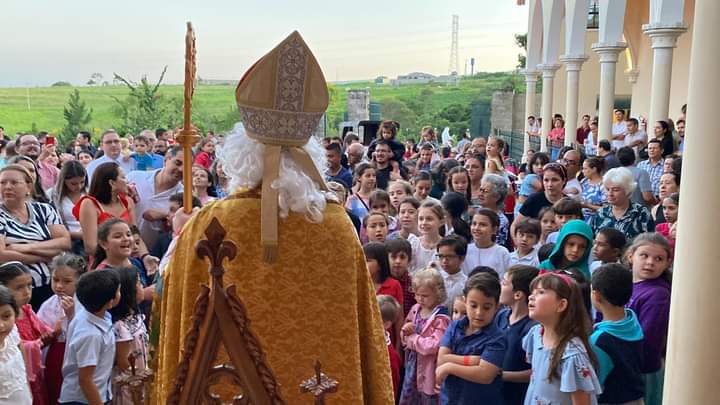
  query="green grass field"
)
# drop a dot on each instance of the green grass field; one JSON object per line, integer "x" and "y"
{"x": 21, "y": 108}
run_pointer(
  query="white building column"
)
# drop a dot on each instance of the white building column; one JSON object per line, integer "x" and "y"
{"x": 664, "y": 41}
{"x": 573, "y": 65}
{"x": 546, "y": 110}
{"x": 693, "y": 353}
{"x": 531, "y": 77}
{"x": 608, "y": 65}
{"x": 610, "y": 44}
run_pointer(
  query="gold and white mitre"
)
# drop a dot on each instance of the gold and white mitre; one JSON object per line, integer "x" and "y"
{"x": 281, "y": 99}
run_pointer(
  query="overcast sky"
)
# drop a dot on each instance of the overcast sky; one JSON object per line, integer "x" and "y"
{"x": 43, "y": 41}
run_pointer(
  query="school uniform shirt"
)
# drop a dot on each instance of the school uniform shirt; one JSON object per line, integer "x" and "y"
{"x": 421, "y": 257}
{"x": 496, "y": 257}
{"x": 575, "y": 372}
{"x": 515, "y": 356}
{"x": 14, "y": 388}
{"x": 150, "y": 199}
{"x": 454, "y": 284}
{"x": 90, "y": 342}
{"x": 530, "y": 259}
{"x": 488, "y": 343}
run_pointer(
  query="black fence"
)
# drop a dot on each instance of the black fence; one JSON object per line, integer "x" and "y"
{"x": 515, "y": 142}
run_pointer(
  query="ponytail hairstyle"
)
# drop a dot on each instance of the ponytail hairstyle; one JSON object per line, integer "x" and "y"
{"x": 574, "y": 322}
{"x": 128, "y": 294}
{"x": 493, "y": 217}
{"x": 438, "y": 211}
{"x": 103, "y": 234}
{"x": 360, "y": 169}
{"x": 69, "y": 260}
{"x": 455, "y": 205}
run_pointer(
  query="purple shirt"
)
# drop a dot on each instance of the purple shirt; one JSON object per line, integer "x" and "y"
{"x": 651, "y": 302}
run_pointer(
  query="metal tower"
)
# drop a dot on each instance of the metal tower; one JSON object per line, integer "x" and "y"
{"x": 454, "y": 59}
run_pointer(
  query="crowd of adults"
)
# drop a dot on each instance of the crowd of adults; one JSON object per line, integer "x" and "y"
{"x": 114, "y": 204}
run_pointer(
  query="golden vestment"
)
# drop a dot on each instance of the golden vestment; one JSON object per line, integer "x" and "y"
{"x": 316, "y": 302}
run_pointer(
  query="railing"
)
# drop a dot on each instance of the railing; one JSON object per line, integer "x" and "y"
{"x": 516, "y": 142}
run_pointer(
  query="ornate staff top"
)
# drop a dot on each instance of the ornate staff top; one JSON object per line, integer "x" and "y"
{"x": 188, "y": 136}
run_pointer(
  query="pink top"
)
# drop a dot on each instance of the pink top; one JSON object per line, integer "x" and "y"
{"x": 48, "y": 174}
{"x": 557, "y": 134}
{"x": 31, "y": 329}
{"x": 426, "y": 345}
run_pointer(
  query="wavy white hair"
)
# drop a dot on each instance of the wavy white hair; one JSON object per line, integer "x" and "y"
{"x": 242, "y": 160}
{"x": 622, "y": 177}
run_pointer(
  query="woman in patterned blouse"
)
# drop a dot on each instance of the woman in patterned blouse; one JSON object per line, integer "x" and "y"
{"x": 620, "y": 213}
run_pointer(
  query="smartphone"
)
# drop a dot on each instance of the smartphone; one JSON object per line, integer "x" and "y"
{"x": 50, "y": 140}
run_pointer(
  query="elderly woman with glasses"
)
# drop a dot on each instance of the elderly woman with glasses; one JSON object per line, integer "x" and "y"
{"x": 620, "y": 212}
{"x": 30, "y": 232}
{"x": 493, "y": 191}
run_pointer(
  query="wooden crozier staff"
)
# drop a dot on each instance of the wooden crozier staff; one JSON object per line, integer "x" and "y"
{"x": 188, "y": 136}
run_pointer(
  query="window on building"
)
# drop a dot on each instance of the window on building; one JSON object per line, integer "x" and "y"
{"x": 593, "y": 21}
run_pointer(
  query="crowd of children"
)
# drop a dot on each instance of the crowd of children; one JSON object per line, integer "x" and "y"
{"x": 560, "y": 313}
{"x": 525, "y": 335}
{"x": 90, "y": 332}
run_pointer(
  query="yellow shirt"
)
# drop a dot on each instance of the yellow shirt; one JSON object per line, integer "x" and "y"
{"x": 317, "y": 302}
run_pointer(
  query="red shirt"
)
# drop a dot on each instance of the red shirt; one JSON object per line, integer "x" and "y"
{"x": 392, "y": 288}
{"x": 394, "y": 368}
{"x": 408, "y": 295}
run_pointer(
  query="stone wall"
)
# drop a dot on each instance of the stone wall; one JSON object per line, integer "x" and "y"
{"x": 358, "y": 106}
{"x": 508, "y": 111}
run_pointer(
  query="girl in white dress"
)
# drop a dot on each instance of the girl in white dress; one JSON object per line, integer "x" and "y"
{"x": 14, "y": 388}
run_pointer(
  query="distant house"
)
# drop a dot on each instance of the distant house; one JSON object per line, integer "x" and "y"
{"x": 382, "y": 80}
{"x": 413, "y": 78}
{"x": 423, "y": 78}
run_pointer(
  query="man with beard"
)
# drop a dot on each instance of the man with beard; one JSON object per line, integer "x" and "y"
{"x": 28, "y": 145}
{"x": 154, "y": 189}
{"x": 385, "y": 168}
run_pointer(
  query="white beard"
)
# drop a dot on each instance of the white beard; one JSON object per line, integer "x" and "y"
{"x": 242, "y": 162}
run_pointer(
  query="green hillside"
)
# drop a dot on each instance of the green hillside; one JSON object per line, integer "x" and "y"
{"x": 22, "y": 110}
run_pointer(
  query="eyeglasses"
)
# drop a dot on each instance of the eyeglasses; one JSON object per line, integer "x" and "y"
{"x": 569, "y": 162}
{"x": 447, "y": 257}
{"x": 30, "y": 143}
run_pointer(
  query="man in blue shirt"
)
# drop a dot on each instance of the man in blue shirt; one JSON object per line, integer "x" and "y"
{"x": 335, "y": 171}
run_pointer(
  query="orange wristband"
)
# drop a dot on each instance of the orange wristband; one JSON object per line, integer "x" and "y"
{"x": 466, "y": 360}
